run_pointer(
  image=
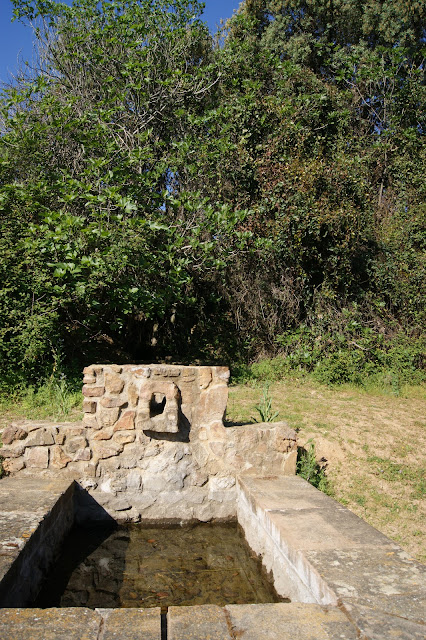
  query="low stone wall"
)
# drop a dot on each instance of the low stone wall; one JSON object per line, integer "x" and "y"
{"x": 152, "y": 444}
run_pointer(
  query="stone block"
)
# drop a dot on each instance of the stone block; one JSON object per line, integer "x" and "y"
{"x": 108, "y": 417}
{"x": 90, "y": 421}
{"x": 132, "y": 395}
{"x": 117, "y": 368}
{"x": 110, "y": 403}
{"x": 197, "y": 478}
{"x": 379, "y": 625}
{"x": 216, "y": 431}
{"x": 89, "y": 406}
{"x": 108, "y": 465}
{"x": 120, "y": 504}
{"x": 49, "y": 624}
{"x": 221, "y": 373}
{"x": 72, "y": 445}
{"x": 89, "y": 379}
{"x": 134, "y": 480}
{"x": 14, "y": 450}
{"x": 212, "y": 405}
{"x": 293, "y": 621}
{"x": 126, "y": 421}
{"x": 60, "y": 437}
{"x": 198, "y": 623}
{"x": 131, "y": 624}
{"x": 76, "y": 431}
{"x": 13, "y": 432}
{"x": 141, "y": 372}
{"x": 37, "y": 458}
{"x": 13, "y": 465}
{"x": 109, "y": 450}
{"x": 90, "y": 371}
{"x": 41, "y": 437}
{"x": 83, "y": 454}
{"x": 124, "y": 437}
{"x": 221, "y": 482}
{"x": 289, "y": 464}
{"x": 33, "y": 426}
{"x": 114, "y": 383}
{"x": 164, "y": 371}
{"x": 205, "y": 377}
{"x": 58, "y": 459}
{"x": 93, "y": 392}
{"x": 103, "y": 434}
{"x": 218, "y": 449}
{"x": 155, "y": 482}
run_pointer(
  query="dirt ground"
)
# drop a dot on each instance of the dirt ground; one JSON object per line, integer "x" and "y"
{"x": 374, "y": 446}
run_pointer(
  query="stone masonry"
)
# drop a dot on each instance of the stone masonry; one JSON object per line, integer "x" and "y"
{"x": 152, "y": 444}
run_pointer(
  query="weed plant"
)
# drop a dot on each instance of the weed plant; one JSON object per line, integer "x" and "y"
{"x": 264, "y": 407}
{"x": 312, "y": 470}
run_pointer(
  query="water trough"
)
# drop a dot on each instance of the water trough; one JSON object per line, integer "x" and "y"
{"x": 153, "y": 447}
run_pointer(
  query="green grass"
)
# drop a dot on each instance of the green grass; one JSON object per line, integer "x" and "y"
{"x": 57, "y": 398}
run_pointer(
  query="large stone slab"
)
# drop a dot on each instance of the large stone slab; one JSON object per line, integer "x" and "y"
{"x": 327, "y": 528}
{"x": 35, "y": 515}
{"x": 131, "y": 624}
{"x": 385, "y": 579}
{"x": 275, "y": 492}
{"x": 33, "y": 494}
{"x": 376, "y": 625}
{"x": 289, "y": 622}
{"x": 206, "y": 622}
{"x": 49, "y": 624}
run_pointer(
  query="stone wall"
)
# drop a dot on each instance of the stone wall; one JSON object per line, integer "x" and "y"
{"x": 152, "y": 444}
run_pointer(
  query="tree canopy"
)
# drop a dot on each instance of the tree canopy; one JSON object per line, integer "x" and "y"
{"x": 167, "y": 192}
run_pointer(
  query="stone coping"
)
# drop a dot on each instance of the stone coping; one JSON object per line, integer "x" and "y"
{"x": 203, "y": 622}
{"x": 339, "y": 559}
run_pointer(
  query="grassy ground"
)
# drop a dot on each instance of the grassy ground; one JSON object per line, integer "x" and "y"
{"x": 54, "y": 401}
{"x": 374, "y": 446}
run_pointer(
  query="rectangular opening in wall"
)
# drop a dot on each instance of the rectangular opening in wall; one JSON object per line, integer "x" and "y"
{"x": 144, "y": 566}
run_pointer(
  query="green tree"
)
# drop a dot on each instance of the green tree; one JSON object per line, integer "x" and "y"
{"x": 107, "y": 232}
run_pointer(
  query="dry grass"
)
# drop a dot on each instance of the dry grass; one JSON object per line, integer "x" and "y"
{"x": 374, "y": 445}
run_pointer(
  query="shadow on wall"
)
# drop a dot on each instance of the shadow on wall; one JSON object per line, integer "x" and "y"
{"x": 78, "y": 558}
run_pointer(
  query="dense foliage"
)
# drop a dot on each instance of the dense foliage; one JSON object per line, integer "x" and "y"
{"x": 166, "y": 193}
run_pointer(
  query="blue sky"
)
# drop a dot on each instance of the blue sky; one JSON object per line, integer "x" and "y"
{"x": 16, "y": 40}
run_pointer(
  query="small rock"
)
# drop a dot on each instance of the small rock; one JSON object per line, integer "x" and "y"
{"x": 12, "y": 466}
{"x": 37, "y": 458}
{"x": 58, "y": 459}
{"x": 126, "y": 421}
{"x": 83, "y": 454}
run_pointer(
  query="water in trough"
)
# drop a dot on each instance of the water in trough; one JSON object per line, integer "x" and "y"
{"x": 146, "y": 566}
